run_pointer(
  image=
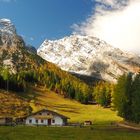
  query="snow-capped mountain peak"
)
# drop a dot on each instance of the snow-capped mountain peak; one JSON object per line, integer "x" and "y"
{"x": 7, "y": 26}
{"x": 87, "y": 55}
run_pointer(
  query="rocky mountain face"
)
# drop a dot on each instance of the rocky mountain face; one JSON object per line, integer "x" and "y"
{"x": 14, "y": 54}
{"x": 89, "y": 56}
{"x": 7, "y": 33}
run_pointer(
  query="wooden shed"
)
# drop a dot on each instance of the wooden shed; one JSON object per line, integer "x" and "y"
{"x": 88, "y": 122}
{"x": 6, "y": 121}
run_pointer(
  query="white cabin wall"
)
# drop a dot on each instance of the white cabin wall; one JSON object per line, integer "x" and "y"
{"x": 58, "y": 120}
{"x": 45, "y": 122}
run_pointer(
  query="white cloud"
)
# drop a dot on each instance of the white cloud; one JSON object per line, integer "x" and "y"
{"x": 115, "y": 21}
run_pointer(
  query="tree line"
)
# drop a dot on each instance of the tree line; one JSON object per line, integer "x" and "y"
{"x": 126, "y": 97}
{"x": 61, "y": 83}
{"x": 102, "y": 93}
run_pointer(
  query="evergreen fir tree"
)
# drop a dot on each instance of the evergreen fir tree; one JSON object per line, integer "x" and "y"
{"x": 136, "y": 99}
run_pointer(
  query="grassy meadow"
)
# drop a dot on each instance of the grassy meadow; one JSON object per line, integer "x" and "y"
{"x": 76, "y": 111}
{"x": 67, "y": 133}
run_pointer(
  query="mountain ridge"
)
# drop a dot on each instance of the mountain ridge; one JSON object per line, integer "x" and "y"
{"x": 90, "y": 56}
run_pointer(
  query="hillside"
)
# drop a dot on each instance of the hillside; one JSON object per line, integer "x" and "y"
{"x": 73, "y": 109}
{"x": 13, "y": 105}
{"x": 39, "y": 98}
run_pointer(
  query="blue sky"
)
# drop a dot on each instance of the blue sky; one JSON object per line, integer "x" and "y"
{"x": 37, "y": 20}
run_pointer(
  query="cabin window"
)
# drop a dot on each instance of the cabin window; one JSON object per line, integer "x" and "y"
{"x": 36, "y": 121}
{"x": 42, "y": 121}
{"x": 53, "y": 121}
{"x": 30, "y": 121}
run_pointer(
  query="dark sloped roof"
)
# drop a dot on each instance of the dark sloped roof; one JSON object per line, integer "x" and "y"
{"x": 2, "y": 117}
{"x": 50, "y": 111}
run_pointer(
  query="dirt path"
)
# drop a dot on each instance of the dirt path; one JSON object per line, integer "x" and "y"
{"x": 128, "y": 126}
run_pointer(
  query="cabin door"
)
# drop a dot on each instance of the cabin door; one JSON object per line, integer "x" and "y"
{"x": 49, "y": 121}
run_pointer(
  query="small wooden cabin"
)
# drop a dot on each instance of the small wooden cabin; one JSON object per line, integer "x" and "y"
{"x": 46, "y": 117}
{"x": 6, "y": 121}
{"x": 88, "y": 122}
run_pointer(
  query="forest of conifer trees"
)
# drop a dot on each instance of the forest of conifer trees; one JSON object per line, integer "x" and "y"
{"x": 63, "y": 84}
{"x": 126, "y": 97}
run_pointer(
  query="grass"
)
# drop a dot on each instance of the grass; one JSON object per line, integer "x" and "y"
{"x": 67, "y": 133}
{"x": 74, "y": 110}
